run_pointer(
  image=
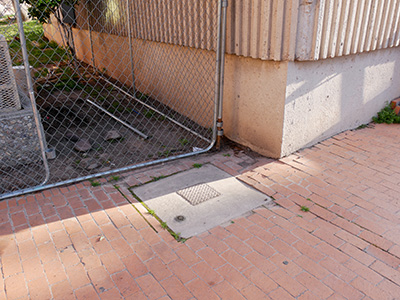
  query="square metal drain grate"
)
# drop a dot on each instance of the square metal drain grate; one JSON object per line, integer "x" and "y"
{"x": 198, "y": 193}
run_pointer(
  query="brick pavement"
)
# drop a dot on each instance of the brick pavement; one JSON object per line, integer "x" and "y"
{"x": 85, "y": 242}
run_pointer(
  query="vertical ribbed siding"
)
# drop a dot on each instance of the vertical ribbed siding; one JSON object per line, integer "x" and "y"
{"x": 262, "y": 28}
{"x": 191, "y": 24}
{"x": 177, "y": 22}
{"x": 343, "y": 27}
{"x": 311, "y": 29}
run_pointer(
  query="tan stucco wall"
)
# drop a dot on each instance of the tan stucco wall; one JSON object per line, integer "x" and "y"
{"x": 169, "y": 73}
{"x": 329, "y": 96}
{"x": 254, "y": 97}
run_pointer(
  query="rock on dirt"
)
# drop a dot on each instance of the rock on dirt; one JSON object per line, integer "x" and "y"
{"x": 113, "y": 135}
{"x": 71, "y": 137}
{"x": 83, "y": 145}
{"x": 93, "y": 166}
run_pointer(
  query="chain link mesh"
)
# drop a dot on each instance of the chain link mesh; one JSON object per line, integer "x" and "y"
{"x": 117, "y": 83}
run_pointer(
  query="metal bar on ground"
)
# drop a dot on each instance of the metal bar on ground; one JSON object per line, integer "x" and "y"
{"x": 156, "y": 110}
{"x": 119, "y": 120}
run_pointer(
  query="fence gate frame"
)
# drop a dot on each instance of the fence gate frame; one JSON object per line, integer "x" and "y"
{"x": 217, "y": 127}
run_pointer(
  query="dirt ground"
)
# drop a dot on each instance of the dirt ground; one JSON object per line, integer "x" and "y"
{"x": 69, "y": 120}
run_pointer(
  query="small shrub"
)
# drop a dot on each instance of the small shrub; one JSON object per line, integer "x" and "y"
{"x": 386, "y": 115}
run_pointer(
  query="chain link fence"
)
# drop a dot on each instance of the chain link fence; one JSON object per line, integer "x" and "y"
{"x": 112, "y": 85}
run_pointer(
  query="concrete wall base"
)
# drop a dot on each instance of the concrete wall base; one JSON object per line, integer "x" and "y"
{"x": 326, "y": 97}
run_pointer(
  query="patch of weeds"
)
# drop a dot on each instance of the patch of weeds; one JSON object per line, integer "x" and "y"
{"x": 161, "y": 118}
{"x": 308, "y": 199}
{"x": 166, "y": 153}
{"x": 141, "y": 96}
{"x": 304, "y": 208}
{"x": 37, "y": 45}
{"x": 149, "y": 113}
{"x": 226, "y": 155}
{"x": 151, "y": 212}
{"x": 386, "y": 115}
{"x": 183, "y": 141}
{"x": 164, "y": 225}
{"x": 300, "y": 216}
{"x": 77, "y": 162}
{"x": 157, "y": 178}
{"x": 177, "y": 237}
{"x": 116, "y": 186}
{"x": 197, "y": 166}
{"x": 232, "y": 222}
{"x": 115, "y": 177}
{"x": 362, "y": 126}
{"x": 113, "y": 141}
{"x": 94, "y": 183}
{"x": 41, "y": 73}
{"x": 67, "y": 85}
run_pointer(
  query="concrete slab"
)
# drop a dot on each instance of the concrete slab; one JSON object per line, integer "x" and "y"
{"x": 235, "y": 199}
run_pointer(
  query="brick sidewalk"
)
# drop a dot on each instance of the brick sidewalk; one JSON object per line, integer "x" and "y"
{"x": 84, "y": 242}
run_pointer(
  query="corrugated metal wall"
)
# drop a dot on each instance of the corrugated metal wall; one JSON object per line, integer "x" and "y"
{"x": 262, "y": 29}
{"x": 311, "y": 29}
{"x": 184, "y": 23}
{"x": 343, "y": 27}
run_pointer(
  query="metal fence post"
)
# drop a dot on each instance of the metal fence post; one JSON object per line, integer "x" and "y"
{"x": 222, "y": 13}
{"x": 38, "y": 123}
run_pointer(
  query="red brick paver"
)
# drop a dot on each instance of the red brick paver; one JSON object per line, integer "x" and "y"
{"x": 84, "y": 242}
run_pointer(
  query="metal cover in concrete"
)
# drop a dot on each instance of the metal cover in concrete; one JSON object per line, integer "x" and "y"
{"x": 235, "y": 199}
{"x": 198, "y": 193}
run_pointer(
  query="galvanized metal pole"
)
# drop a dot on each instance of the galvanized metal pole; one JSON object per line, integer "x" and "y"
{"x": 223, "y": 48}
{"x": 217, "y": 73}
{"x": 38, "y": 123}
{"x": 221, "y": 70}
